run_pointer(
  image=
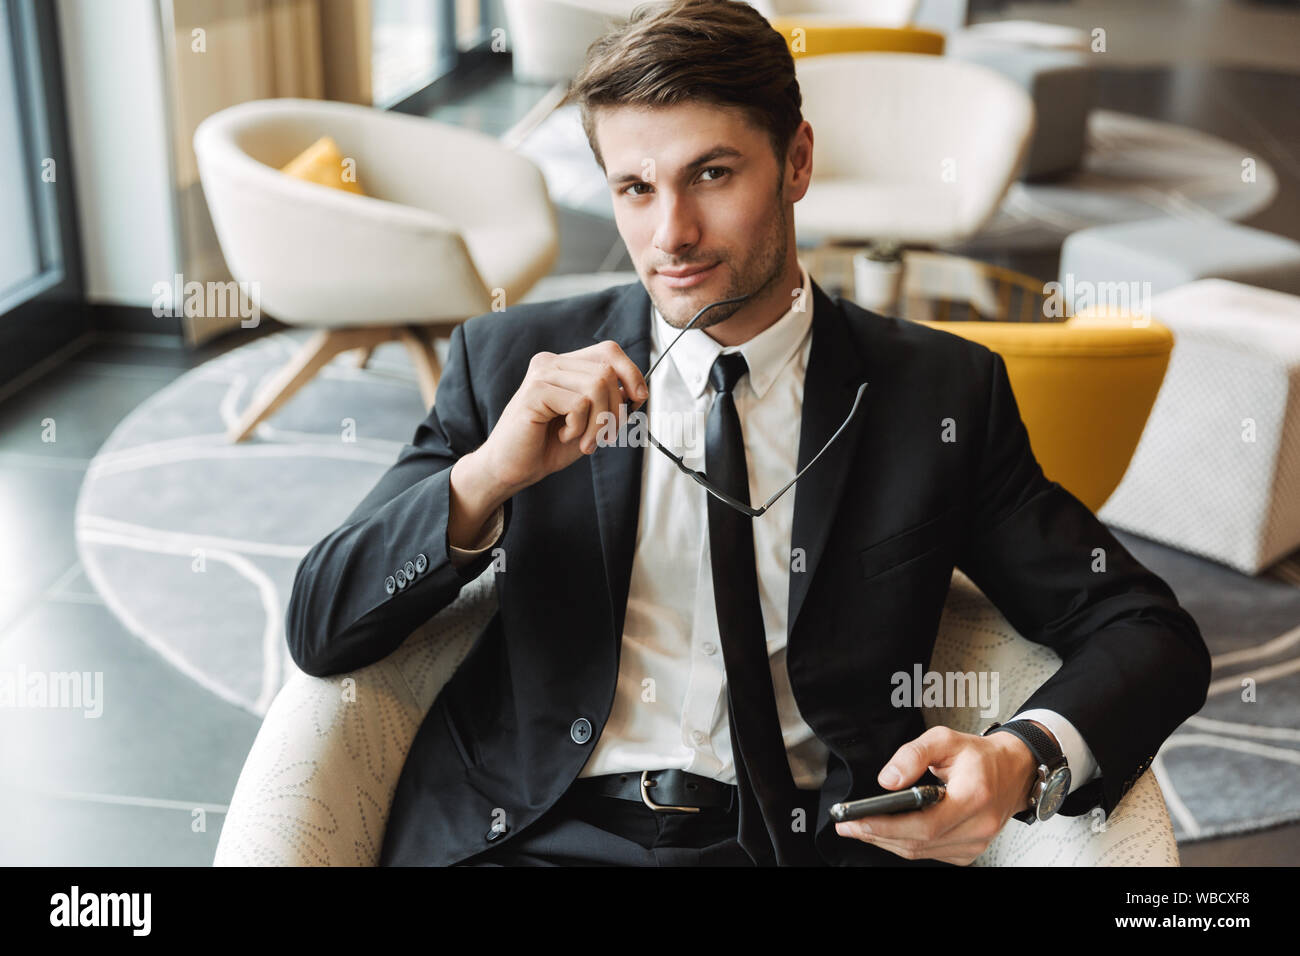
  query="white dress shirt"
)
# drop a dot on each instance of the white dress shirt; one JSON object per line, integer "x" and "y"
{"x": 670, "y": 705}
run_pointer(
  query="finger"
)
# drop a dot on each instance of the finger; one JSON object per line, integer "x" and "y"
{"x": 579, "y": 375}
{"x": 935, "y": 746}
{"x": 629, "y": 376}
{"x": 550, "y": 402}
{"x": 912, "y": 849}
{"x": 974, "y": 822}
{"x": 598, "y": 390}
{"x": 579, "y": 380}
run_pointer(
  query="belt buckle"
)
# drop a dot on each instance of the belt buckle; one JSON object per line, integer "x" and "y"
{"x": 645, "y": 797}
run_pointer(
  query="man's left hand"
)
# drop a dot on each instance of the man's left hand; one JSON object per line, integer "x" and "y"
{"x": 988, "y": 780}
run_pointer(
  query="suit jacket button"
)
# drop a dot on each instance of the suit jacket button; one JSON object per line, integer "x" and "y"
{"x": 390, "y": 585}
{"x": 409, "y": 568}
{"x": 581, "y": 730}
{"x": 401, "y": 579}
{"x": 421, "y": 562}
{"x": 498, "y": 830}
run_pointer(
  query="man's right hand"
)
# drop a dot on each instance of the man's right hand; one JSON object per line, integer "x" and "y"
{"x": 553, "y": 419}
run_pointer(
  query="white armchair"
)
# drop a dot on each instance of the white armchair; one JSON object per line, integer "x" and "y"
{"x": 317, "y": 786}
{"x": 450, "y": 217}
{"x": 549, "y": 38}
{"x": 907, "y": 148}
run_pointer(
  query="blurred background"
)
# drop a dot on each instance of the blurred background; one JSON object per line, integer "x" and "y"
{"x": 237, "y": 234}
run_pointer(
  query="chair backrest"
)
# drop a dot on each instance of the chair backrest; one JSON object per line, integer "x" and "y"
{"x": 885, "y": 13}
{"x": 916, "y": 120}
{"x": 1084, "y": 387}
{"x": 311, "y": 248}
{"x": 818, "y": 36}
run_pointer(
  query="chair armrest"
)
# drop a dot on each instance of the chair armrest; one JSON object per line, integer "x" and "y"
{"x": 975, "y": 636}
{"x": 318, "y": 783}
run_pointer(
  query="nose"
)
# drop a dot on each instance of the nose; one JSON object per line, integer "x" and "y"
{"x": 678, "y": 228}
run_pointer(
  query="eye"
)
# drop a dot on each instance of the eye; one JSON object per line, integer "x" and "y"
{"x": 707, "y": 169}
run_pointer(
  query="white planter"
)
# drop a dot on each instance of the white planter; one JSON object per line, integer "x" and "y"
{"x": 876, "y": 284}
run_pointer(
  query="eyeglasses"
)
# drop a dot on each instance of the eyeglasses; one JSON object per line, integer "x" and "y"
{"x": 700, "y": 477}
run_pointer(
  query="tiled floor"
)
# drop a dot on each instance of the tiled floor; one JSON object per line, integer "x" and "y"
{"x": 147, "y": 782}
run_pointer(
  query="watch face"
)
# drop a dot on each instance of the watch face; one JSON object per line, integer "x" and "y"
{"x": 1055, "y": 789}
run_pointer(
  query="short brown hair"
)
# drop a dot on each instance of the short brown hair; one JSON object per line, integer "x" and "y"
{"x": 713, "y": 51}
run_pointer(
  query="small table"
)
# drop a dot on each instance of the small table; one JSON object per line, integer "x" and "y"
{"x": 943, "y": 288}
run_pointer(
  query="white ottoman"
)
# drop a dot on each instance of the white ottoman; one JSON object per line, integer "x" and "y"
{"x": 1170, "y": 252}
{"x": 1217, "y": 470}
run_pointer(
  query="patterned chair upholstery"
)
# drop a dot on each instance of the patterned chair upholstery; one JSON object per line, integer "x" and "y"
{"x": 317, "y": 786}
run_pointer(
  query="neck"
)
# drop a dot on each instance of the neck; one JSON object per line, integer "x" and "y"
{"x": 762, "y": 312}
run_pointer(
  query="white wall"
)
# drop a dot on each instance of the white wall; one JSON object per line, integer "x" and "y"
{"x": 117, "y": 122}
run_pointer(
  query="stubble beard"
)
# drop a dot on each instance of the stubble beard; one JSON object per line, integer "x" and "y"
{"x": 768, "y": 264}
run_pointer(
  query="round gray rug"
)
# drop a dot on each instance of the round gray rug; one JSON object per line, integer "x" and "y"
{"x": 193, "y": 542}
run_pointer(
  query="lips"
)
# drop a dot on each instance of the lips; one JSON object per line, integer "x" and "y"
{"x": 683, "y": 273}
{"x": 687, "y": 278}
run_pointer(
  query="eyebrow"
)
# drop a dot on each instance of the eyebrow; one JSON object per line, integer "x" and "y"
{"x": 717, "y": 152}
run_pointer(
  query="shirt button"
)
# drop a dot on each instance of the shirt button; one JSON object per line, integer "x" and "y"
{"x": 421, "y": 562}
{"x": 390, "y": 585}
{"x": 581, "y": 730}
{"x": 708, "y": 647}
{"x": 409, "y": 568}
{"x": 401, "y": 579}
{"x": 699, "y": 737}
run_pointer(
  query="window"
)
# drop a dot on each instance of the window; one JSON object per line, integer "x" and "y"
{"x": 414, "y": 43}
{"x": 409, "y": 47}
{"x": 30, "y": 259}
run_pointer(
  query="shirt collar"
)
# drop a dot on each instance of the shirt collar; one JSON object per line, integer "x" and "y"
{"x": 766, "y": 354}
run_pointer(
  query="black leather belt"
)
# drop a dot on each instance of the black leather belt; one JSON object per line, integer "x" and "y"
{"x": 662, "y": 790}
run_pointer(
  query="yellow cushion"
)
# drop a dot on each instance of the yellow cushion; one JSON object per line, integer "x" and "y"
{"x": 810, "y": 36}
{"x": 322, "y": 163}
{"x": 1084, "y": 389}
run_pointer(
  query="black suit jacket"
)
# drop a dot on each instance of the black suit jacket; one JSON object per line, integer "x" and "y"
{"x": 882, "y": 520}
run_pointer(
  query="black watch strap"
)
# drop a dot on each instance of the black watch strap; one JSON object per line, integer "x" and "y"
{"x": 1040, "y": 744}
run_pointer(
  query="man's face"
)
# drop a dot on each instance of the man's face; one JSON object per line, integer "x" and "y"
{"x": 697, "y": 186}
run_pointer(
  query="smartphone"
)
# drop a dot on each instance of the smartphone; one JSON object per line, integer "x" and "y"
{"x": 913, "y": 798}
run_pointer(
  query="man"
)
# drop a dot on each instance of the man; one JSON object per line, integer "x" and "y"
{"x": 613, "y": 711}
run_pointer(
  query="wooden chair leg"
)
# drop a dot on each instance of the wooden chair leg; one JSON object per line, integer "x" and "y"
{"x": 363, "y": 355}
{"x": 428, "y": 368}
{"x": 306, "y": 362}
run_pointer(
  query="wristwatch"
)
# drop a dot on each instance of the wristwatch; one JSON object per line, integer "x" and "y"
{"x": 1053, "y": 783}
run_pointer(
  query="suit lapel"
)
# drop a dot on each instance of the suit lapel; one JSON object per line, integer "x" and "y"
{"x": 831, "y": 382}
{"x": 835, "y": 370}
{"x": 616, "y": 469}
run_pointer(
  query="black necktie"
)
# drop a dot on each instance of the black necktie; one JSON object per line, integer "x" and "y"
{"x": 767, "y": 792}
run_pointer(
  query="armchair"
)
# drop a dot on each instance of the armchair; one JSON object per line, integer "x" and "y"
{"x": 450, "y": 219}
{"x": 317, "y": 786}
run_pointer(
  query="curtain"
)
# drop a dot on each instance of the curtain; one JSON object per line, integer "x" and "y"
{"x": 225, "y": 52}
